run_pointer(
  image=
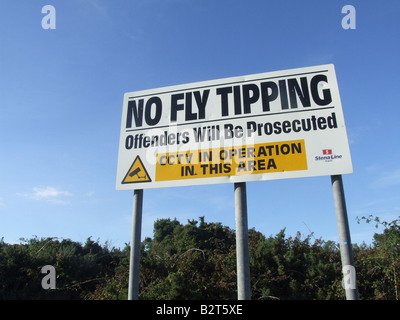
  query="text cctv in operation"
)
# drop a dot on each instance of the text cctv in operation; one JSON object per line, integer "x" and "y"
{"x": 148, "y": 113}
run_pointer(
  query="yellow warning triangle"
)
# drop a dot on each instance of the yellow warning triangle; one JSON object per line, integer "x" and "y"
{"x": 137, "y": 173}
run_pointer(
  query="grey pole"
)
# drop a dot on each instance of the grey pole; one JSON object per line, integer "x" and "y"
{"x": 346, "y": 251}
{"x": 242, "y": 243}
{"x": 134, "y": 263}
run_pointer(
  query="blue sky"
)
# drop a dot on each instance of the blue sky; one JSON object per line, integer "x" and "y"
{"x": 61, "y": 103}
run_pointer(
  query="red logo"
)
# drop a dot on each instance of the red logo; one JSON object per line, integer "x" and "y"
{"x": 327, "y": 151}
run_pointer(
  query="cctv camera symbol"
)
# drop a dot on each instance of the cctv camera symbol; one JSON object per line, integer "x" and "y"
{"x": 136, "y": 172}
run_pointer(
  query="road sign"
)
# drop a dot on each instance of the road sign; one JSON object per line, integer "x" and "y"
{"x": 275, "y": 125}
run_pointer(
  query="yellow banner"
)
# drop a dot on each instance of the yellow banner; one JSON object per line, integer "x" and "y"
{"x": 232, "y": 161}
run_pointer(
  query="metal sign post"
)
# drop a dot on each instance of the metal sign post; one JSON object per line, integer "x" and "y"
{"x": 242, "y": 242}
{"x": 134, "y": 263}
{"x": 346, "y": 250}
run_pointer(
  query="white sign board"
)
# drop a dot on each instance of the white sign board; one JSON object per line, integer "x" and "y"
{"x": 275, "y": 125}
